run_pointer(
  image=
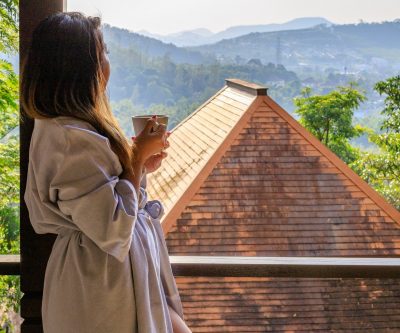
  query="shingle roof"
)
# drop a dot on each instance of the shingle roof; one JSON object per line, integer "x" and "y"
{"x": 264, "y": 186}
{"x": 242, "y": 167}
{"x": 194, "y": 142}
{"x": 220, "y": 305}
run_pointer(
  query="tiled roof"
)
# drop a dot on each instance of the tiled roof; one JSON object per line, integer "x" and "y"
{"x": 222, "y": 304}
{"x": 193, "y": 143}
{"x": 267, "y": 187}
{"x": 264, "y": 186}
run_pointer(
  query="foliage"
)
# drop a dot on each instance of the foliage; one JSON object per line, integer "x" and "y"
{"x": 141, "y": 84}
{"x": 9, "y": 26}
{"x": 382, "y": 170}
{"x": 125, "y": 109}
{"x": 9, "y": 196}
{"x": 330, "y": 118}
{"x": 8, "y": 98}
{"x": 391, "y": 112}
{"x": 9, "y": 159}
{"x": 159, "y": 80}
{"x": 10, "y": 296}
{"x": 152, "y": 48}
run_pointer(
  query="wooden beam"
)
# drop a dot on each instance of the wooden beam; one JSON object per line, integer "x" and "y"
{"x": 304, "y": 267}
{"x": 9, "y": 264}
{"x": 35, "y": 249}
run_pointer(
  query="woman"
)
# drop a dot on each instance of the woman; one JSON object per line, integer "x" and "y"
{"x": 109, "y": 269}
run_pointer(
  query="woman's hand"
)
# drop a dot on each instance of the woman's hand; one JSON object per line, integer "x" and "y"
{"x": 147, "y": 143}
{"x": 150, "y": 142}
{"x": 154, "y": 162}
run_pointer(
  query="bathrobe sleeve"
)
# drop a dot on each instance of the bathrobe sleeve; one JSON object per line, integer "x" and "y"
{"x": 87, "y": 189}
{"x": 171, "y": 292}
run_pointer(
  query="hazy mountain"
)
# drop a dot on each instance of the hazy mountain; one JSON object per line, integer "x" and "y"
{"x": 146, "y": 71}
{"x": 199, "y": 32}
{"x": 300, "y": 23}
{"x": 203, "y": 36}
{"x": 151, "y": 47}
{"x": 182, "y": 38}
{"x": 357, "y": 47}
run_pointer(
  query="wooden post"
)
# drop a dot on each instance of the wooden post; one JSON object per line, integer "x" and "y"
{"x": 35, "y": 249}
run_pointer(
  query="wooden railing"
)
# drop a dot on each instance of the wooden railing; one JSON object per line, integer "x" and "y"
{"x": 9, "y": 264}
{"x": 306, "y": 267}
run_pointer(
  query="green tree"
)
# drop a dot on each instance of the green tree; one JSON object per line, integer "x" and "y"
{"x": 391, "y": 112}
{"x": 9, "y": 26}
{"x": 9, "y": 160}
{"x": 330, "y": 118}
{"x": 382, "y": 170}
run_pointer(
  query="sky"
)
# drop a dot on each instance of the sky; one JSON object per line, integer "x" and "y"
{"x": 169, "y": 16}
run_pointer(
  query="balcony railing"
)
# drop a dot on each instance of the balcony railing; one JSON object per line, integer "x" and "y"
{"x": 9, "y": 264}
{"x": 196, "y": 266}
{"x": 305, "y": 267}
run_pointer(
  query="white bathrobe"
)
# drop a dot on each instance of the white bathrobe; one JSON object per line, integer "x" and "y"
{"x": 109, "y": 270}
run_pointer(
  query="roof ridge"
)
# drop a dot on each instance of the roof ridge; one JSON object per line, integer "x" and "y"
{"x": 200, "y": 107}
{"x": 335, "y": 160}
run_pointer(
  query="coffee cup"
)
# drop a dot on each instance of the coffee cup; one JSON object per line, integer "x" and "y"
{"x": 139, "y": 122}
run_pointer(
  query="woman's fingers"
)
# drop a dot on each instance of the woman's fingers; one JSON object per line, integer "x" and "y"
{"x": 161, "y": 155}
{"x": 150, "y": 124}
{"x": 161, "y": 129}
{"x": 153, "y": 138}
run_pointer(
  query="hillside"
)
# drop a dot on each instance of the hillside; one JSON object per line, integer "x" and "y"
{"x": 366, "y": 46}
{"x": 150, "y": 76}
{"x": 160, "y": 80}
{"x": 150, "y": 47}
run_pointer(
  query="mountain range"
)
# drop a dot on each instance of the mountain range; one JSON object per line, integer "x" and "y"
{"x": 147, "y": 71}
{"x": 151, "y": 47}
{"x": 368, "y": 47}
{"x": 202, "y": 36}
{"x": 357, "y": 47}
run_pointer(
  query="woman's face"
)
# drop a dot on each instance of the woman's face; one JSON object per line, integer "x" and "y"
{"x": 105, "y": 67}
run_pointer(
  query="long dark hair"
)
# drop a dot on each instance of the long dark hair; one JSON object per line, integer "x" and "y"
{"x": 62, "y": 76}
